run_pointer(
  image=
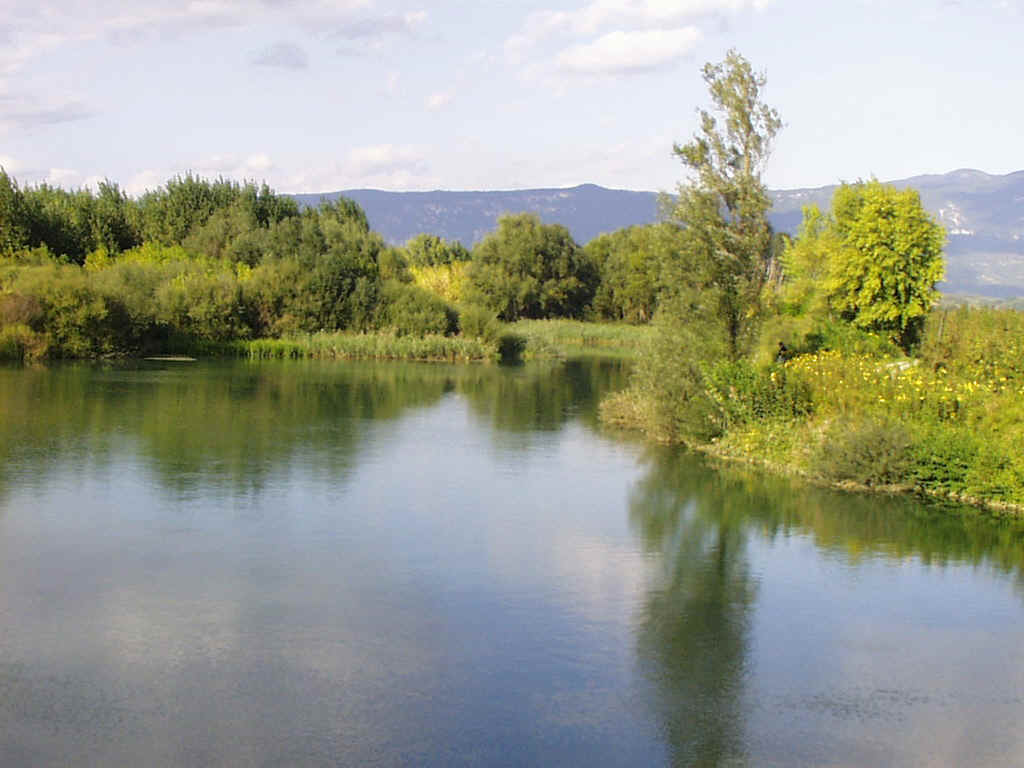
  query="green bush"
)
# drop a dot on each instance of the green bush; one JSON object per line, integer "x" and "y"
{"x": 408, "y": 310}
{"x": 510, "y": 347}
{"x": 942, "y": 457}
{"x": 478, "y": 322}
{"x": 975, "y": 341}
{"x": 872, "y": 452}
{"x": 997, "y": 473}
{"x": 744, "y": 393}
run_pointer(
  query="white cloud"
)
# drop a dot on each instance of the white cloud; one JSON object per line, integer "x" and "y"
{"x": 384, "y": 158}
{"x": 32, "y": 29}
{"x": 251, "y": 167}
{"x": 630, "y": 52}
{"x": 282, "y": 55}
{"x": 146, "y": 180}
{"x": 621, "y": 15}
{"x": 613, "y": 37}
{"x": 376, "y": 166}
{"x": 439, "y": 100}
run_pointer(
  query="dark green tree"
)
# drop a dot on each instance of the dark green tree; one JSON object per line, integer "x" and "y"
{"x": 629, "y": 262}
{"x": 527, "y": 269}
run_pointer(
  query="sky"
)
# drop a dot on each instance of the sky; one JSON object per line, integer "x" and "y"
{"x": 322, "y": 95}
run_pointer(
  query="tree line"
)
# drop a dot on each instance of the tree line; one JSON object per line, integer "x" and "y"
{"x": 198, "y": 262}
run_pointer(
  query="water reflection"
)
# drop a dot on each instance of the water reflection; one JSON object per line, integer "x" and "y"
{"x": 695, "y": 624}
{"x": 313, "y": 564}
{"x": 233, "y": 424}
{"x": 720, "y": 703}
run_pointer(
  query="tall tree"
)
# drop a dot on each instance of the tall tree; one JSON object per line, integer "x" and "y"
{"x": 724, "y": 204}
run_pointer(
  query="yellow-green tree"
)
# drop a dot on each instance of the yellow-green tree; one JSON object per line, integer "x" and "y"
{"x": 884, "y": 275}
{"x": 874, "y": 260}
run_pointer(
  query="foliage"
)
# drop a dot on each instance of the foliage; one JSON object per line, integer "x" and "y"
{"x": 873, "y": 260}
{"x": 185, "y": 204}
{"x": 562, "y": 338}
{"x": 975, "y": 341}
{"x": 872, "y": 452}
{"x": 433, "y": 251}
{"x": 744, "y": 393}
{"x": 222, "y": 262}
{"x": 527, "y": 269}
{"x": 409, "y": 310}
{"x": 373, "y": 346}
{"x": 630, "y": 262}
{"x": 449, "y": 281}
{"x": 884, "y": 275}
{"x": 14, "y": 223}
{"x": 479, "y": 323}
{"x": 728, "y": 243}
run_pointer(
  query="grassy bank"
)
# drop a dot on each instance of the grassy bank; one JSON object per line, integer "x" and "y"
{"x": 565, "y": 338}
{"x": 372, "y": 346}
{"x": 529, "y": 339}
{"x": 948, "y": 421}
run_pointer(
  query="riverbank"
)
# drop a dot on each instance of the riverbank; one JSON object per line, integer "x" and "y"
{"x": 504, "y": 343}
{"x": 564, "y": 338}
{"x": 948, "y": 423}
{"x": 873, "y": 425}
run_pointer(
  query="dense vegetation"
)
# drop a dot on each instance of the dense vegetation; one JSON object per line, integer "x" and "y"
{"x": 824, "y": 354}
{"x": 201, "y": 266}
{"x": 198, "y": 266}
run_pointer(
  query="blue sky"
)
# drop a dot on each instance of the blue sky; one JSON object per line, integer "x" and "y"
{"x": 409, "y": 94}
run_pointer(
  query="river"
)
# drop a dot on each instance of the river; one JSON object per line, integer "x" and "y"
{"x": 314, "y": 564}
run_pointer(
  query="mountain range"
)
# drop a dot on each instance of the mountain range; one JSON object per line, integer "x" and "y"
{"x": 983, "y": 215}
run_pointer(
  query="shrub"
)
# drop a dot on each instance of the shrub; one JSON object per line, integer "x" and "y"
{"x": 872, "y": 452}
{"x": 743, "y": 393}
{"x": 449, "y": 281}
{"x": 409, "y": 310}
{"x": 530, "y": 269}
{"x": 478, "y": 322}
{"x": 942, "y": 457}
{"x": 19, "y": 342}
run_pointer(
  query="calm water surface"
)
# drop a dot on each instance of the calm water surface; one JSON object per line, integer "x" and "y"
{"x": 388, "y": 564}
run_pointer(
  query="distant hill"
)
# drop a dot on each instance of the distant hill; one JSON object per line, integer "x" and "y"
{"x": 586, "y": 211}
{"x": 984, "y": 215}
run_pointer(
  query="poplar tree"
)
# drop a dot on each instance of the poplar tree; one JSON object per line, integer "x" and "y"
{"x": 724, "y": 206}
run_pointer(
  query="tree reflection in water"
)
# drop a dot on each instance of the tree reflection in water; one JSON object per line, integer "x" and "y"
{"x": 695, "y": 627}
{"x": 697, "y": 520}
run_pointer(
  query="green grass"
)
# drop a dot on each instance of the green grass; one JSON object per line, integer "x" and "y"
{"x": 370, "y": 346}
{"x": 564, "y": 338}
